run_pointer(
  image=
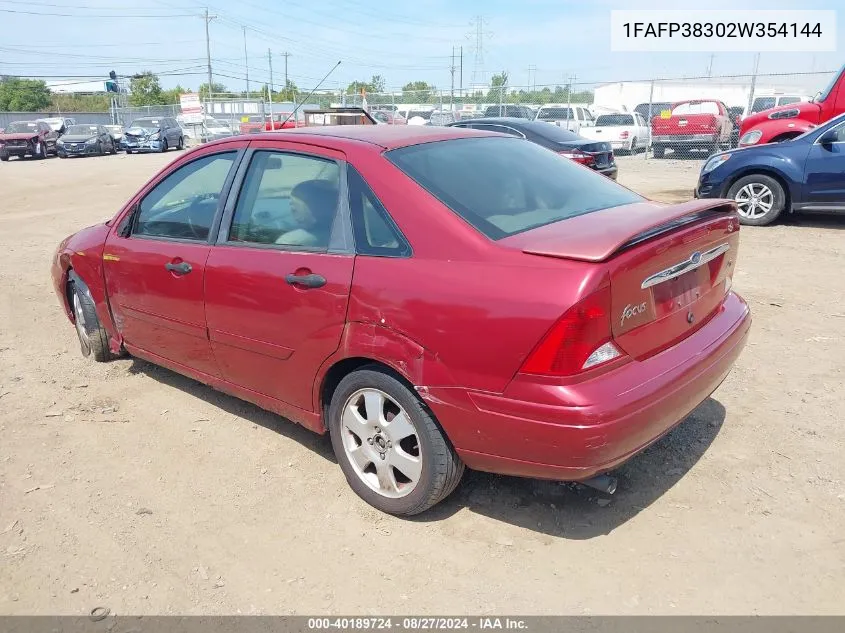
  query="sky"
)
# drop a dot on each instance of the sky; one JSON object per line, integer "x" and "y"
{"x": 541, "y": 41}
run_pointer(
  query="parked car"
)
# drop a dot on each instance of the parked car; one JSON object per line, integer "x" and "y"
{"x": 338, "y": 116}
{"x": 388, "y": 117}
{"x": 33, "y": 138}
{"x": 765, "y": 181}
{"x": 788, "y": 121}
{"x": 509, "y": 110}
{"x": 86, "y": 140}
{"x": 625, "y": 132}
{"x": 116, "y": 132}
{"x": 442, "y": 117}
{"x": 59, "y": 124}
{"x": 701, "y": 124}
{"x": 254, "y": 124}
{"x": 153, "y": 134}
{"x": 384, "y": 340}
{"x": 773, "y": 101}
{"x": 418, "y": 117}
{"x": 571, "y": 117}
{"x": 597, "y": 155}
{"x": 209, "y": 129}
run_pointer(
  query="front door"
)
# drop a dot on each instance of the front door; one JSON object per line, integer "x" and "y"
{"x": 155, "y": 263}
{"x": 278, "y": 280}
{"x": 824, "y": 175}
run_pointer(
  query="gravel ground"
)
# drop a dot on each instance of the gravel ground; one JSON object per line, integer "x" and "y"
{"x": 128, "y": 486}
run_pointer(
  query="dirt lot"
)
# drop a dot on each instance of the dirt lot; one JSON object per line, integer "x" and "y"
{"x": 128, "y": 486}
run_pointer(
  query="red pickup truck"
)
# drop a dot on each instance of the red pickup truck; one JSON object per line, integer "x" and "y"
{"x": 700, "y": 124}
{"x": 788, "y": 121}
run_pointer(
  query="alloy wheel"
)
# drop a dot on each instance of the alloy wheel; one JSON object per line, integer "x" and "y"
{"x": 381, "y": 443}
{"x": 754, "y": 200}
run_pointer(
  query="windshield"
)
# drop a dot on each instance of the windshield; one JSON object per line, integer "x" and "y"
{"x": 22, "y": 127}
{"x": 554, "y": 114}
{"x": 824, "y": 94}
{"x": 503, "y": 186}
{"x": 147, "y": 124}
{"x": 614, "y": 119}
{"x": 90, "y": 130}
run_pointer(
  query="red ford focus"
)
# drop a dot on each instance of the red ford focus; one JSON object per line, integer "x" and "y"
{"x": 434, "y": 298}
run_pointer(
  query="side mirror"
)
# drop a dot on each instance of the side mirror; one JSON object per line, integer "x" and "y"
{"x": 829, "y": 138}
{"x": 273, "y": 162}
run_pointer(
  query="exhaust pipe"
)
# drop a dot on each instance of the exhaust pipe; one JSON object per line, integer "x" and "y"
{"x": 603, "y": 483}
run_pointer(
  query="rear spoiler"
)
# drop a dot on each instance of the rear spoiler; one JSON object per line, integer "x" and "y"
{"x": 595, "y": 237}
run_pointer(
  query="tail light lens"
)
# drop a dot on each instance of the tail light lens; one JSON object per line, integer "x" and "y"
{"x": 580, "y": 340}
{"x": 623, "y": 135}
{"x": 578, "y": 156}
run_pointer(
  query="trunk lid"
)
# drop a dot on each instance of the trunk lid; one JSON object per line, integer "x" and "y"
{"x": 666, "y": 265}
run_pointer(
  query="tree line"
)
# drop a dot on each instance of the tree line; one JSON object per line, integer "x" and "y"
{"x": 32, "y": 95}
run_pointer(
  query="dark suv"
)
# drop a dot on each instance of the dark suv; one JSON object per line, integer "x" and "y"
{"x": 153, "y": 134}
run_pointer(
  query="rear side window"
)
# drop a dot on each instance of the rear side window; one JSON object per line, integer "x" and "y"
{"x": 504, "y": 186}
{"x": 374, "y": 229}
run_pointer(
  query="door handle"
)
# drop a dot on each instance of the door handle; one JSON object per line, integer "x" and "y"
{"x": 182, "y": 268}
{"x": 309, "y": 281}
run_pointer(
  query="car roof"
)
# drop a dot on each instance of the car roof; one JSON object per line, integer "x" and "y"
{"x": 384, "y": 136}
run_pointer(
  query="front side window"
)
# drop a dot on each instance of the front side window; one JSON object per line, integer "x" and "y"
{"x": 287, "y": 200}
{"x": 505, "y": 186}
{"x": 183, "y": 205}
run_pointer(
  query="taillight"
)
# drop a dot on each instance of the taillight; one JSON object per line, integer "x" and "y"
{"x": 623, "y": 135}
{"x": 580, "y": 340}
{"x": 578, "y": 156}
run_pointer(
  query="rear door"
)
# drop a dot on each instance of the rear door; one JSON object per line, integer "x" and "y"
{"x": 824, "y": 173}
{"x": 279, "y": 277}
{"x": 155, "y": 260}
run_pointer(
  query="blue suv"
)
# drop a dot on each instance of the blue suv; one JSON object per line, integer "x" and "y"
{"x": 806, "y": 173}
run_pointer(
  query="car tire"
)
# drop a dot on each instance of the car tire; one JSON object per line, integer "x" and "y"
{"x": 659, "y": 151}
{"x": 113, "y": 148}
{"x": 100, "y": 151}
{"x": 770, "y": 199}
{"x": 164, "y": 147}
{"x": 372, "y": 465}
{"x": 42, "y": 153}
{"x": 4, "y": 157}
{"x": 181, "y": 144}
{"x": 93, "y": 338}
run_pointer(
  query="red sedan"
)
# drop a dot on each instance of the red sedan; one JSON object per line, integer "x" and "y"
{"x": 432, "y": 297}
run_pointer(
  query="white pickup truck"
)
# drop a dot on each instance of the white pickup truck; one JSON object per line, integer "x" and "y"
{"x": 625, "y": 132}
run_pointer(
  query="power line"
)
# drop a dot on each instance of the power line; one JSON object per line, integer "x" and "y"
{"x": 76, "y": 15}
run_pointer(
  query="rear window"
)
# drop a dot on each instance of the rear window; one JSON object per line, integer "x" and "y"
{"x": 504, "y": 186}
{"x": 700, "y": 107}
{"x": 555, "y": 114}
{"x": 614, "y": 119}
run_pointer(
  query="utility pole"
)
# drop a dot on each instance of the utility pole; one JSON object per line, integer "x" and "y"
{"x": 270, "y": 90}
{"x": 452, "y": 92}
{"x": 753, "y": 81}
{"x": 246, "y": 65}
{"x": 572, "y": 77}
{"x": 461, "y": 91}
{"x": 286, "y": 55}
{"x": 710, "y": 65}
{"x": 208, "y": 18}
{"x": 532, "y": 87}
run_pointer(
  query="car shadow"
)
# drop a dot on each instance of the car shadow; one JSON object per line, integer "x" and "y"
{"x": 558, "y": 509}
{"x": 573, "y": 511}
{"x": 253, "y": 414}
{"x": 816, "y": 220}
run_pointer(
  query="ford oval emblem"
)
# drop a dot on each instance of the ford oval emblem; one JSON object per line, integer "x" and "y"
{"x": 695, "y": 258}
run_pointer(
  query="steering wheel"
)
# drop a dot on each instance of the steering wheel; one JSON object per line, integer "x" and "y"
{"x": 200, "y": 232}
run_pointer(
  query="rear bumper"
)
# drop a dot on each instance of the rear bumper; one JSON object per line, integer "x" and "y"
{"x": 683, "y": 140}
{"x": 548, "y": 430}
